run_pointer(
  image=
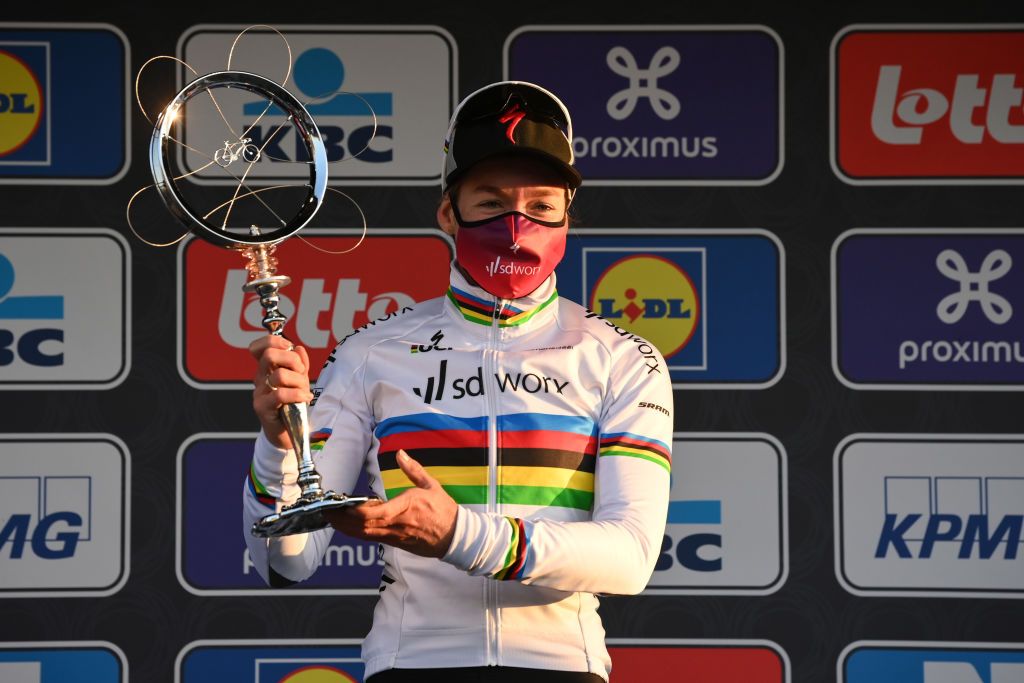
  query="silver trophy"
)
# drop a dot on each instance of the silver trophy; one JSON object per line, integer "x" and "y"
{"x": 249, "y": 218}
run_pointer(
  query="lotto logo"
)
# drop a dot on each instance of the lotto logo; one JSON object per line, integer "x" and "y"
{"x": 328, "y": 298}
{"x": 928, "y": 105}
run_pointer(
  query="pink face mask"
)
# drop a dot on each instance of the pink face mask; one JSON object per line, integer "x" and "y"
{"x": 512, "y": 254}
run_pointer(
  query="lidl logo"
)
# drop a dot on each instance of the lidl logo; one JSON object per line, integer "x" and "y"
{"x": 654, "y": 296}
{"x": 63, "y": 104}
{"x": 277, "y": 661}
{"x": 22, "y": 101}
{"x": 710, "y": 301}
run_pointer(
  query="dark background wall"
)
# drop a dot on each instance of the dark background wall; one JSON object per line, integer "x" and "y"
{"x": 809, "y": 411}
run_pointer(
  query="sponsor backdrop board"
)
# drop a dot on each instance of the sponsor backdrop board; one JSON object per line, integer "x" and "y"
{"x": 726, "y": 529}
{"x": 660, "y": 104}
{"x": 933, "y": 514}
{"x": 212, "y": 557}
{"x": 936, "y": 104}
{"x": 56, "y": 331}
{"x": 255, "y": 661}
{"x": 329, "y": 296}
{"x": 65, "y": 514}
{"x": 955, "y": 329}
{"x": 814, "y": 213}
{"x": 63, "y": 662}
{"x": 711, "y": 301}
{"x": 375, "y": 93}
{"x": 64, "y": 106}
{"x": 929, "y": 662}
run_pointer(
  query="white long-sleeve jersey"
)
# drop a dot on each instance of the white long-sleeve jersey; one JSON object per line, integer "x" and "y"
{"x": 550, "y": 426}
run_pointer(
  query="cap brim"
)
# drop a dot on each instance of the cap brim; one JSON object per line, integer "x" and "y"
{"x": 569, "y": 173}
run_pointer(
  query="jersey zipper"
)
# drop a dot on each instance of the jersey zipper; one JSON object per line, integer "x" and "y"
{"x": 491, "y": 392}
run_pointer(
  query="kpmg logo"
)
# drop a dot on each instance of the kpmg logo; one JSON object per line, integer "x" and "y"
{"x": 726, "y": 531}
{"x": 63, "y": 515}
{"x": 955, "y": 329}
{"x": 46, "y": 135}
{"x": 211, "y": 555}
{"x": 472, "y": 385}
{"x": 370, "y": 109}
{"x": 54, "y": 332}
{"x": 708, "y": 661}
{"x": 651, "y": 115}
{"x": 927, "y": 104}
{"x": 881, "y": 661}
{"x": 394, "y": 270}
{"x": 271, "y": 661}
{"x": 682, "y": 291}
{"x": 83, "y": 661}
{"x": 935, "y": 515}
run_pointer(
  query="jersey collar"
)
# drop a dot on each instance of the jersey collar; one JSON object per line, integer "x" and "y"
{"x": 480, "y": 307}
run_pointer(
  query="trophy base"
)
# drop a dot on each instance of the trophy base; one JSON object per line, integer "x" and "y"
{"x": 304, "y": 515}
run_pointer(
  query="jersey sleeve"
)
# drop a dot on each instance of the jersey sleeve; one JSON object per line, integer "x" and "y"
{"x": 340, "y": 424}
{"x": 615, "y": 551}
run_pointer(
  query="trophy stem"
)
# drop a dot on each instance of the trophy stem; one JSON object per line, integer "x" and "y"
{"x": 307, "y": 513}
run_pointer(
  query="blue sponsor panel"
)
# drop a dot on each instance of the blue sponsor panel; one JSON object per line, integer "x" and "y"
{"x": 36, "y": 663}
{"x": 960, "y": 324}
{"x": 213, "y": 551}
{"x": 270, "y": 663}
{"x": 63, "y": 103}
{"x": 921, "y": 663}
{"x": 662, "y": 104}
{"x": 710, "y": 302}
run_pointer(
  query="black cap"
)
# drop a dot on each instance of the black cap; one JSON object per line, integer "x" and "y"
{"x": 509, "y": 117}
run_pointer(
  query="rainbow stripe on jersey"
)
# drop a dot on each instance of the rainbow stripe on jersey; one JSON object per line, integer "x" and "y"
{"x": 483, "y": 312}
{"x": 637, "y": 446}
{"x": 544, "y": 460}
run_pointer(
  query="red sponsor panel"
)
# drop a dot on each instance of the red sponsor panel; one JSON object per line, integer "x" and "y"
{"x": 939, "y": 104}
{"x": 328, "y": 297}
{"x": 697, "y": 664}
